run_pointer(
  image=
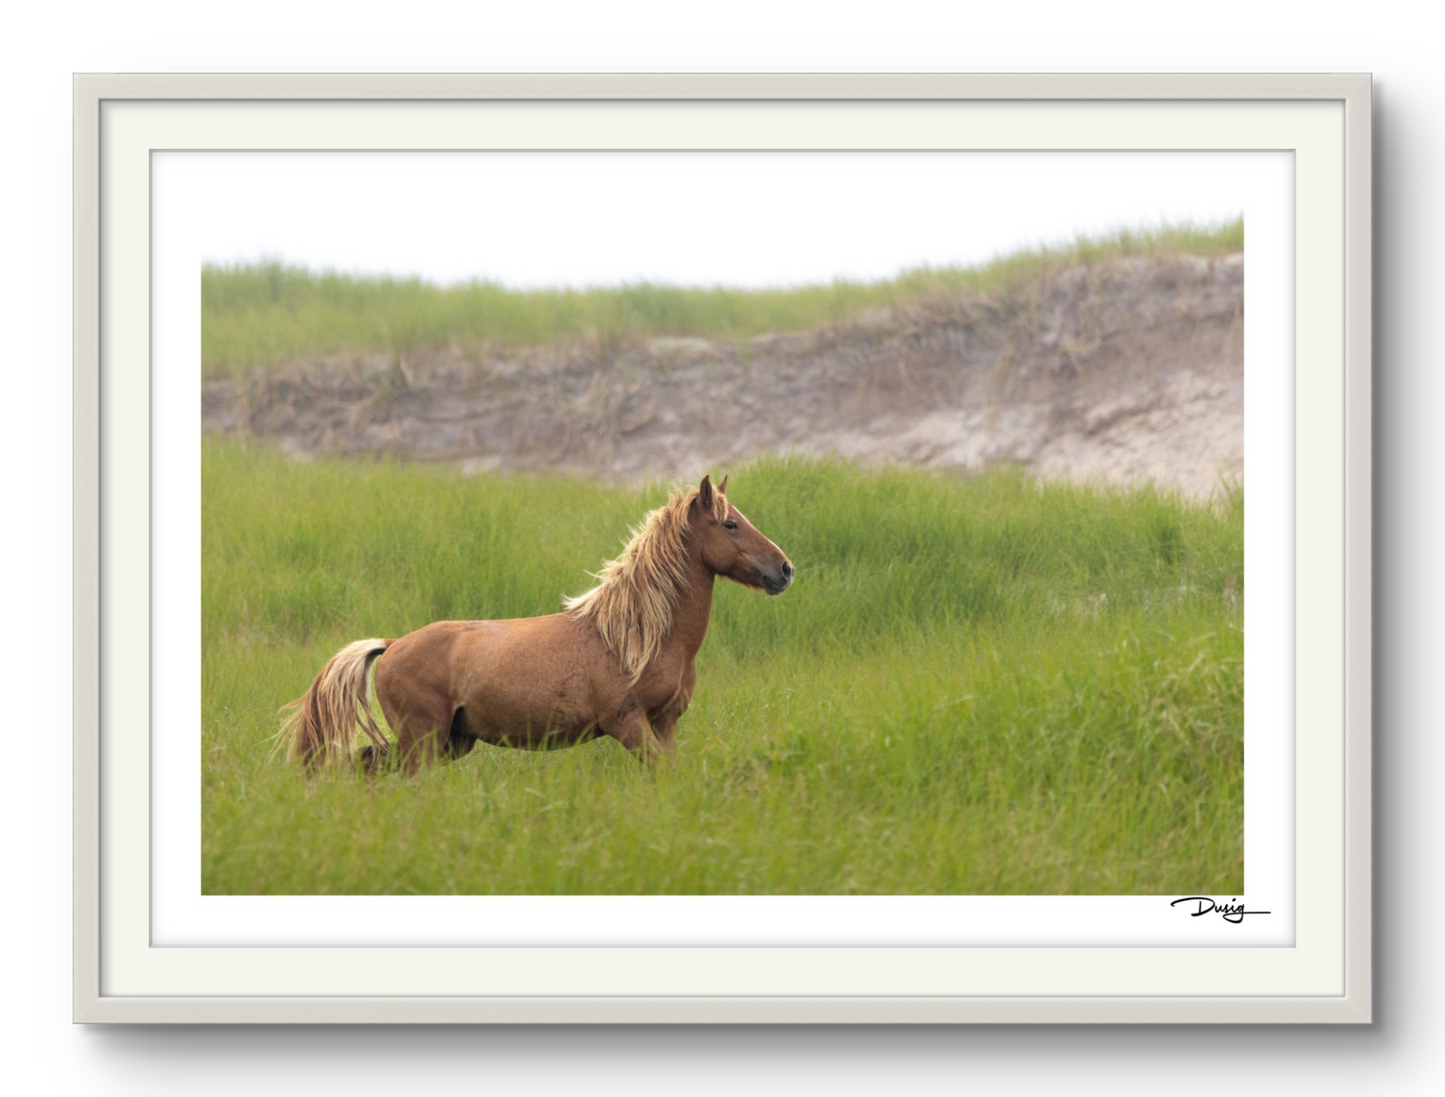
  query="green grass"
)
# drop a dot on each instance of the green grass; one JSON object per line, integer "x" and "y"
{"x": 258, "y": 316}
{"x": 975, "y": 686}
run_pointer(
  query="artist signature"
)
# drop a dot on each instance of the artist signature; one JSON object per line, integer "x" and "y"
{"x": 1232, "y": 911}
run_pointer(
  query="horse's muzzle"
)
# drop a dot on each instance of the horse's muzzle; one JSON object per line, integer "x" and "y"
{"x": 779, "y": 581}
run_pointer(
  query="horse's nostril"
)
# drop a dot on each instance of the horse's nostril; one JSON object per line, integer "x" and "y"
{"x": 787, "y": 570}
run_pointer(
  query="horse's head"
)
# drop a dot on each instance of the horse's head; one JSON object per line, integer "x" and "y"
{"x": 732, "y": 546}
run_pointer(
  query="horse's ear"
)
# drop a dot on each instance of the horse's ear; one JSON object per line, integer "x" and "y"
{"x": 723, "y": 487}
{"x": 704, "y": 492}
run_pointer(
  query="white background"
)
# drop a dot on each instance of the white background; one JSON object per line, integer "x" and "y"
{"x": 689, "y": 218}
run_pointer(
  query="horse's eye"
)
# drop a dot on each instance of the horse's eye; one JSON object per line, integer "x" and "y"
{"x": 730, "y": 525}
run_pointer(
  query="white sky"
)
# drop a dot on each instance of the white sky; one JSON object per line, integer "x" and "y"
{"x": 602, "y": 218}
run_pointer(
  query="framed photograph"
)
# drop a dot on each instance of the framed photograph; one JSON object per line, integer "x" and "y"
{"x": 722, "y": 548}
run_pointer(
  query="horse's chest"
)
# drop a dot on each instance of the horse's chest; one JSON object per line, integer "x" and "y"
{"x": 667, "y": 690}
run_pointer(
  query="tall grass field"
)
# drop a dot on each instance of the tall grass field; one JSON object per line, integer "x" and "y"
{"x": 975, "y": 686}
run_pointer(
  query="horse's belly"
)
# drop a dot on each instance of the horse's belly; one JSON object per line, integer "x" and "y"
{"x": 528, "y": 718}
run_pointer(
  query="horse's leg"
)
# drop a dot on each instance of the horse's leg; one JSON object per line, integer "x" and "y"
{"x": 416, "y": 745}
{"x": 665, "y": 725}
{"x": 446, "y": 742}
{"x": 666, "y": 731}
{"x": 634, "y": 732}
{"x": 423, "y": 730}
{"x": 375, "y": 759}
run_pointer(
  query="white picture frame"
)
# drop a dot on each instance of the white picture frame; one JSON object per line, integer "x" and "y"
{"x": 1324, "y": 976}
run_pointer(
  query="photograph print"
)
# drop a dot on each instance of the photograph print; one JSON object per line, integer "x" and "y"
{"x": 722, "y": 524}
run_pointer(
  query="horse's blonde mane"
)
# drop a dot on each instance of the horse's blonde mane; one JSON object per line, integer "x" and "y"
{"x": 636, "y": 595}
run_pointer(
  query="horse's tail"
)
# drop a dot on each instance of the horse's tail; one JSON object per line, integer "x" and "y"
{"x": 326, "y": 716}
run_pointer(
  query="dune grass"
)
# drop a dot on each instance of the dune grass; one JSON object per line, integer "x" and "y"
{"x": 269, "y": 313}
{"x": 975, "y": 686}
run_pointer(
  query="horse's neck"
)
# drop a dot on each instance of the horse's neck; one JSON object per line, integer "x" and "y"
{"x": 693, "y": 610}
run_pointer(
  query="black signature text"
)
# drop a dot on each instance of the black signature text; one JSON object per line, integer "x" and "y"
{"x": 1232, "y": 911}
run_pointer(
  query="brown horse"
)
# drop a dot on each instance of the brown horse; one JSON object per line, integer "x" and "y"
{"x": 618, "y": 661}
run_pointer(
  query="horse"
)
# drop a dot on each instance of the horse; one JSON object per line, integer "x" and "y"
{"x": 619, "y": 660}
